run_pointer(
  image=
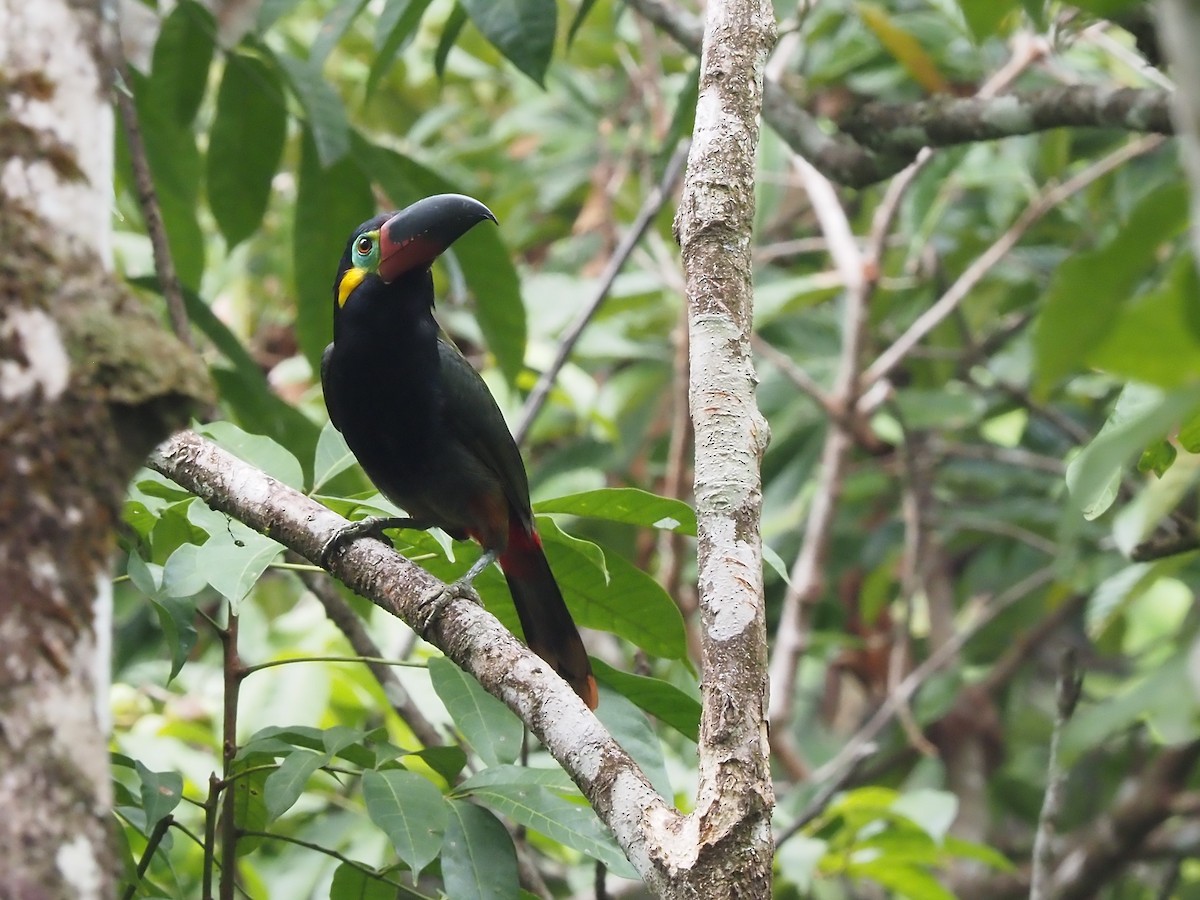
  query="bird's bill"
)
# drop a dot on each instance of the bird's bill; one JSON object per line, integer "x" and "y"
{"x": 417, "y": 235}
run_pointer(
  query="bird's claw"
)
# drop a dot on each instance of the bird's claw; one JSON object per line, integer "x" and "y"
{"x": 433, "y": 603}
{"x": 372, "y": 526}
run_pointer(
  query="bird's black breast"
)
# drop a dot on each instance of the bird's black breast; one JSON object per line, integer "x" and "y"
{"x": 383, "y": 392}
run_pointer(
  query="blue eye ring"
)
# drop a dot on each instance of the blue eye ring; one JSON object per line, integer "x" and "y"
{"x": 366, "y": 249}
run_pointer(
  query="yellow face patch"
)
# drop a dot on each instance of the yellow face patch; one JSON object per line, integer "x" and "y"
{"x": 352, "y": 279}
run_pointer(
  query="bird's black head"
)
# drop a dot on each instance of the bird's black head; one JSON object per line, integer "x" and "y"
{"x": 392, "y": 248}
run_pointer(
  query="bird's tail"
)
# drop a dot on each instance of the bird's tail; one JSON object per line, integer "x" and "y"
{"x": 549, "y": 630}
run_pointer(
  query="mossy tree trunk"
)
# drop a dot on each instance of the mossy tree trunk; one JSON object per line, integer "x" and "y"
{"x": 89, "y": 381}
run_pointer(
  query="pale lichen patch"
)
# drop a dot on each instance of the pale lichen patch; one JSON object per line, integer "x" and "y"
{"x": 43, "y": 362}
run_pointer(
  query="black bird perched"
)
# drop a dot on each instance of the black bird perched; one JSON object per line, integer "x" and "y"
{"x": 424, "y": 425}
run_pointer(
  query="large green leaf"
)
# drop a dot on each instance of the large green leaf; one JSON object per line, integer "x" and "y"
{"x": 234, "y": 556}
{"x": 1088, "y": 290}
{"x": 161, "y": 793}
{"x": 630, "y": 506}
{"x": 485, "y": 261}
{"x": 335, "y": 25}
{"x": 521, "y": 794}
{"x": 1156, "y": 338}
{"x": 285, "y": 785}
{"x": 176, "y": 168}
{"x": 479, "y": 861}
{"x": 523, "y": 30}
{"x": 358, "y": 883}
{"x": 1141, "y": 416}
{"x": 330, "y": 203}
{"x": 397, "y": 24}
{"x": 657, "y": 697}
{"x": 245, "y": 145}
{"x": 631, "y": 729}
{"x": 488, "y": 725}
{"x": 323, "y": 108}
{"x": 182, "y": 56}
{"x": 984, "y": 16}
{"x": 629, "y": 603}
{"x": 410, "y": 810}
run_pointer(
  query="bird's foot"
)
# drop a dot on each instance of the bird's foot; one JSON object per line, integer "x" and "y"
{"x": 372, "y": 526}
{"x": 433, "y": 603}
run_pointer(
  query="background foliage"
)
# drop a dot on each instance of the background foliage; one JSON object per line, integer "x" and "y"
{"x": 1043, "y": 437}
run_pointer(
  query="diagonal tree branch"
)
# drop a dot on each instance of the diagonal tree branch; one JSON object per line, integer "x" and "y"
{"x": 621, "y": 795}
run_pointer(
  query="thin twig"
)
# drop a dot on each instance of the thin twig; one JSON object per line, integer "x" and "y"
{"x": 233, "y": 676}
{"x": 1070, "y": 684}
{"x": 986, "y": 261}
{"x": 164, "y": 265}
{"x": 653, "y": 203}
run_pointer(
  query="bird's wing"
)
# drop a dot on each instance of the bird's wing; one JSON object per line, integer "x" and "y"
{"x": 472, "y": 416}
{"x": 330, "y": 403}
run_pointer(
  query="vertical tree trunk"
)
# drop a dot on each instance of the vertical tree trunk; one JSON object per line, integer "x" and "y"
{"x": 88, "y": 382}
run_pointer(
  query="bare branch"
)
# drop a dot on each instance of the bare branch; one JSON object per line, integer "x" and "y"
{"x": 1070, "y": 683}
{"x": 944, "y": 121}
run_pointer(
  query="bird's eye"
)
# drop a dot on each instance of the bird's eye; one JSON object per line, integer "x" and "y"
{"x": 364, "y": 246}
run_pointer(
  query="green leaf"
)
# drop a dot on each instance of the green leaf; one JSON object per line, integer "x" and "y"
{"x": 334, "y": 26}
{"x": 258, "y": 450}
{"x": 447, "y": 761}
{"x": 182, "y": 56}
{"x": 330, "y": 203}
{"x": 1084, "y": 300}
{"x": 450, "y": 32}
{"x": 1105, "y": 9}
{"x": 235, "y": 556}
{"x": 1189, "y": 434}
{"x": 984, "y": 16}
{"x": 176, "y": 618}
{"x": 332, "y": 457}
{"x": 489, "y": 726}
{"x": 479, "y": 861}
{"x": 630, "y": 506}
{"x": 410, "y": 810}
{"x": 978, "y": 852}
{"x": 327, "y": 122}
{"x": 285, "y": 785}
{"x": 182, "y": 576}
{"x": 485, "y": 261}
{"x": 176, "y": 169}
{"x": 632, "y": 730}
{"x": 397, "y": 24}
{"x": 244, "y": 387}
{"x": 1157, "y": 458}
{"x": 1141, "y": 415}
{"x": 245, "y": 145}
{"x": 161, "y": 793}
{"x": 522, "y": 30}
{"x": 1156, "y": 338}
{"x": 521, "y": 795}
{"x": 352, "y": 883}
{"x": 909, "y": 881}
{"x": 249, "y": 807}
{"x": 145, "y": 579}
{"x": 585, "y": 7}
{"x": 933, "y": 811}
{"x": 271, "y": 11}
{"x": 657, "y": 697}
{"x": 1157, "y": 694}
{"x": 629, "y": 604}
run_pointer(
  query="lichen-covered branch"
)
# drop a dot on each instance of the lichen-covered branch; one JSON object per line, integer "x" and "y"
{"x": 945, "y": 121}
{"x": 714, "y": 224}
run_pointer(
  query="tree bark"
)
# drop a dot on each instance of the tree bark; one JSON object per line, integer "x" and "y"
{"x": 88, "y": 382}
